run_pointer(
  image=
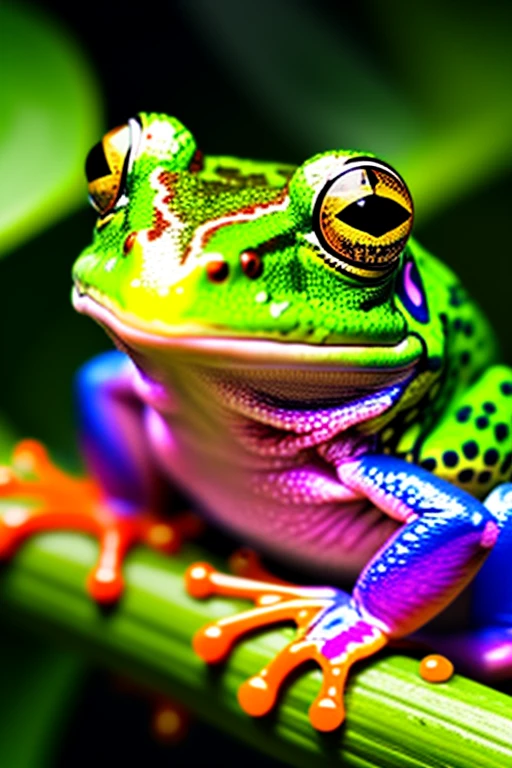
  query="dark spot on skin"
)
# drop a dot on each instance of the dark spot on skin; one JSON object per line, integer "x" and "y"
{"x": 465, "y": 358}
{"x": 506, "y": 388}
{"x": 464, "y": 414}
{"x": 484, "y": 477}
{"x": 429, "y": 464}
{"x": 491, "y": 457}
{"x": 457, "y": 324}
{"x": 277, "y": 243}
{"x": 435, "y": 363}
{"x": 465, "y": 476}
{"x": 468, "y": 330}
{"x": 252, "y": 264}
{"x": 507, "y": 463}
{"x": 217, "y": 270}
{"x": 450, "y": 458}
{"x": 375, "y": 300}
{"x": 489, "y": 408}
{"x": 470, "y": 449}
{"x": 501, "y": 431}
{"x": 482, "y": 422}
{"x": 456, "y": 296}
{"x": 443, "y": 317}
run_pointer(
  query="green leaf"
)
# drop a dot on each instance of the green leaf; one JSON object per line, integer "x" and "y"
{"x": 322, "y": 87}
{"x": 457, "y": 69}
{"x": 7, "y": 438}
{"x": 37, "y": 683}
{"x": 50, "y": 118}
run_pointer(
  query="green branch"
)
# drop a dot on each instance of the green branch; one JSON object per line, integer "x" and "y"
{"x": 394, "y": 720}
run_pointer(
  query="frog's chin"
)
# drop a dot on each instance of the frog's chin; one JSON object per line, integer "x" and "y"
{"x": 214, "y": 347}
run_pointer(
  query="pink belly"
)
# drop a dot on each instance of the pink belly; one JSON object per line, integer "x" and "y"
{"x": 234, "y": 490}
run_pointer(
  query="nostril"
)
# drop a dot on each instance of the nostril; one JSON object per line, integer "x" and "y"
{"x": 252, "y": 264}
{"x": 217, "y": 270}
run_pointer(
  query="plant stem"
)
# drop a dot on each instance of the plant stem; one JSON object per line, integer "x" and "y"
{"x": 394, "y": 719}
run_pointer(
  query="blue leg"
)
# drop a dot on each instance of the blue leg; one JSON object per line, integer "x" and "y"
{"x": 111, "y": 420}
{"x": 485, "y": 650}
{"x": 428, "y": 562}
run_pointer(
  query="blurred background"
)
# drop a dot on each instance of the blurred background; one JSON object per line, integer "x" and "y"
{"x": 425, "y": 85}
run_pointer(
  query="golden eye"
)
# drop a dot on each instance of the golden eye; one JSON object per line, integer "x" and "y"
{"x": 106, "y": 167}
{"x": 363, "y": 218}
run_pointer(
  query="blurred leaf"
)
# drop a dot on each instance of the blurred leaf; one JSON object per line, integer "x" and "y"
{"x": 424, "y": 85}
{"x": 320, "y": 85}
{"x": 50, "y": 118}
{"x": 37, "y": 685}
{"x": 457, "y": 62}
{"x": 7, "y": 438}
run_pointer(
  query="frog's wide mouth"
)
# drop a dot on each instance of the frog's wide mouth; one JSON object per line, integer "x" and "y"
{"x": 218, "y": 347}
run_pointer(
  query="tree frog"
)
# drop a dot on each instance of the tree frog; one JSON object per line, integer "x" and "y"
{"x": 318, "y": 383}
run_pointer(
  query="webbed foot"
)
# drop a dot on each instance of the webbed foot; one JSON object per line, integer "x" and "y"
{"x": 331, "y": 632}
{"x": 63, "y": 502}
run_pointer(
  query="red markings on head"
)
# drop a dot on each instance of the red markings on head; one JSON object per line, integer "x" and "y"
{"x": 160, "y": 224}
{"x": 168, "y": 180}
{"x": 197, "y": 162}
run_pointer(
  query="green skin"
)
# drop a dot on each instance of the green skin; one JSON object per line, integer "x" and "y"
{"x": 279, "y": 353}
{"x": 162, "y": 290}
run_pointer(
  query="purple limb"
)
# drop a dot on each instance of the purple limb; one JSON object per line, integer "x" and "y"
{"x": 428, "y": 562}
{"x": 485, "y": 650}
{"x": 111, "y": 422}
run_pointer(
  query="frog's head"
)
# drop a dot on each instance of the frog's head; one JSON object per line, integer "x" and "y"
{"x": 310, "y": 263}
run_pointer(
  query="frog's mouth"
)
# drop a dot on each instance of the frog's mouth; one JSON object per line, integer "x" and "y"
{"x": 270, "y": 364}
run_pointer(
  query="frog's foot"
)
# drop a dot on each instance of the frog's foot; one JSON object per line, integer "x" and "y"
{"x": 62, "y": 502}
{"x": 331, "y": 632}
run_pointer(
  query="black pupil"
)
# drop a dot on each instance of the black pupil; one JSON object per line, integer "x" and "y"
{"x": 374, "y": 214}
{"x": 96, "y": 165}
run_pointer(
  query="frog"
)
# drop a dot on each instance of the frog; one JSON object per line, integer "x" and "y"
{"x": 320, "y": 385}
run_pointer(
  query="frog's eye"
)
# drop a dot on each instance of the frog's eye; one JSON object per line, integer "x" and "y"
{"x": 363, "y": 218}
{"x": 106, "y": 167}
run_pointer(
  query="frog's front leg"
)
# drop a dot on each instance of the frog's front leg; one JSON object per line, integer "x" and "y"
{"x": 445, "y": 538}
{"x": 484, "y": 648}
{"x": 117, "y": 504}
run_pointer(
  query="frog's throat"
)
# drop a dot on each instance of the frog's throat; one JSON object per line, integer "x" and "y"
{"x": 200, "y": 342}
